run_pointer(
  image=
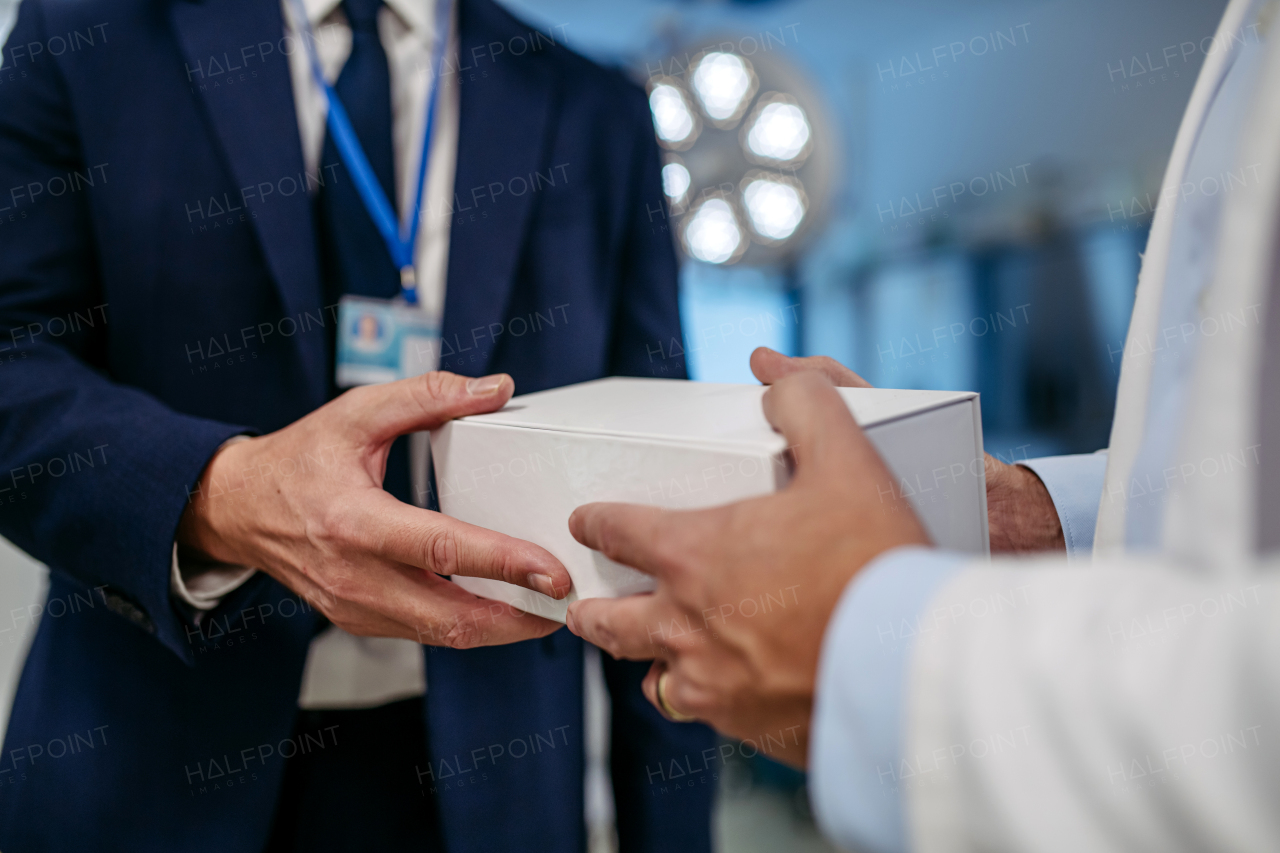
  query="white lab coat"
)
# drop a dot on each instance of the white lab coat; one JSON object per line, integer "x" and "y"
{"x": 1134, "y": 703}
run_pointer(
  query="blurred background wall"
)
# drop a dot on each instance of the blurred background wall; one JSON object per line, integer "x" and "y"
{"x": 959, "y": 202}
{"x": 989, "y": 168}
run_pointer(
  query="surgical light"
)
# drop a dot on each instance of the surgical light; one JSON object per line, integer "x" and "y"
{"x": 778, "y": 131}
{"x": 748, "y": 160}
{"x": 674, "y": 121}
{"x": 724, "y": 84}
{"x": 775, "y": 205}
{"x": 675, "y": 182}
{"x": 712, "y": 233}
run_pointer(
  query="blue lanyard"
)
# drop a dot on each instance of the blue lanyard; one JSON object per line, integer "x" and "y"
{"x": 400, "y": 240}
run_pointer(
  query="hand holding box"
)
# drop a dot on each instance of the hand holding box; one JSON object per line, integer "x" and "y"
{"x": 682, "y": 445}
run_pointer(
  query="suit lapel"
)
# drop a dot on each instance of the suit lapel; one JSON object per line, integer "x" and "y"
{"x": 505, "y": 111}
{"x": 256, "y": 124}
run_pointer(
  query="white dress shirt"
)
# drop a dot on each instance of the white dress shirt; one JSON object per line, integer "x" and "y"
{"x": 344, "y": 671}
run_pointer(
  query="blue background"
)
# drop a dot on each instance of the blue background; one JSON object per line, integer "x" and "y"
{"x": 1056, "y": 256}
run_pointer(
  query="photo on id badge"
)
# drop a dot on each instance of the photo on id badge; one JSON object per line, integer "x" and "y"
{"x": 382, "y": 341}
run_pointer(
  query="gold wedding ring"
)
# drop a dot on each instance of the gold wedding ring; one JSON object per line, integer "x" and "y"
{"x": 665, "y": 705}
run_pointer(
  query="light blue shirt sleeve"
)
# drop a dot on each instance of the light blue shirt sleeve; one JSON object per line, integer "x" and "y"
{"x": 856, "y": 737}
{"x": 1075, "y": 484}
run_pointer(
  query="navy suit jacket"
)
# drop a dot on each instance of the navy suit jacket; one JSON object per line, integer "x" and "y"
{"x": 160, "y": 292}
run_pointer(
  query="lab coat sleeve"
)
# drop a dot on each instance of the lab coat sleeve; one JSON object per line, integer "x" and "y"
{"x": 1127, "y": 705}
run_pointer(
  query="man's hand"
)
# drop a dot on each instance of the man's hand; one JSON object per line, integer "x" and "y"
{"x": 305, "y": 504}
{"x": 1020, "y": 514}
{"x": 745, "y": 590}
{"x": 770, "y": 365}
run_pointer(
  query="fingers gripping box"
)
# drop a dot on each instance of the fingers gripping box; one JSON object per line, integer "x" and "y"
{"x": 682, "y": 445}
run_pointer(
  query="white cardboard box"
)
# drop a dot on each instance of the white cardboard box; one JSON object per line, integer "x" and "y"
{"x": 681, "y": 445}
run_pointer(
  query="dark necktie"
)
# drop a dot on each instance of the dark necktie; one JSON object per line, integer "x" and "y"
{"x": 354, "y": 257}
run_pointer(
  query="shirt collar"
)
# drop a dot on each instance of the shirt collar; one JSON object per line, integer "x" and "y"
{"x": 416, "y": 14}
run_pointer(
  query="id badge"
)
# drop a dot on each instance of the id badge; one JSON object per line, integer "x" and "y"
{"x": 381, "y": 341}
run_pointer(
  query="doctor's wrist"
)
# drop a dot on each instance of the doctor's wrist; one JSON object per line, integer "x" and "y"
{"x": 1020, "y": 513}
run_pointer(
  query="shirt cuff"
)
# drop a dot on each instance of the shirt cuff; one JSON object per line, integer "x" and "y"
{"x": 856, "y": 738}
{"x": 1075, "y": 485}
{"x": 203, "y": 584}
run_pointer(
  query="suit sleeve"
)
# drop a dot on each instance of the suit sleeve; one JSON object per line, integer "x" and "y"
{"x": 94, "y": 474}
{"x": 647, "y": 339}
{"x": 1129, "y": 705}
